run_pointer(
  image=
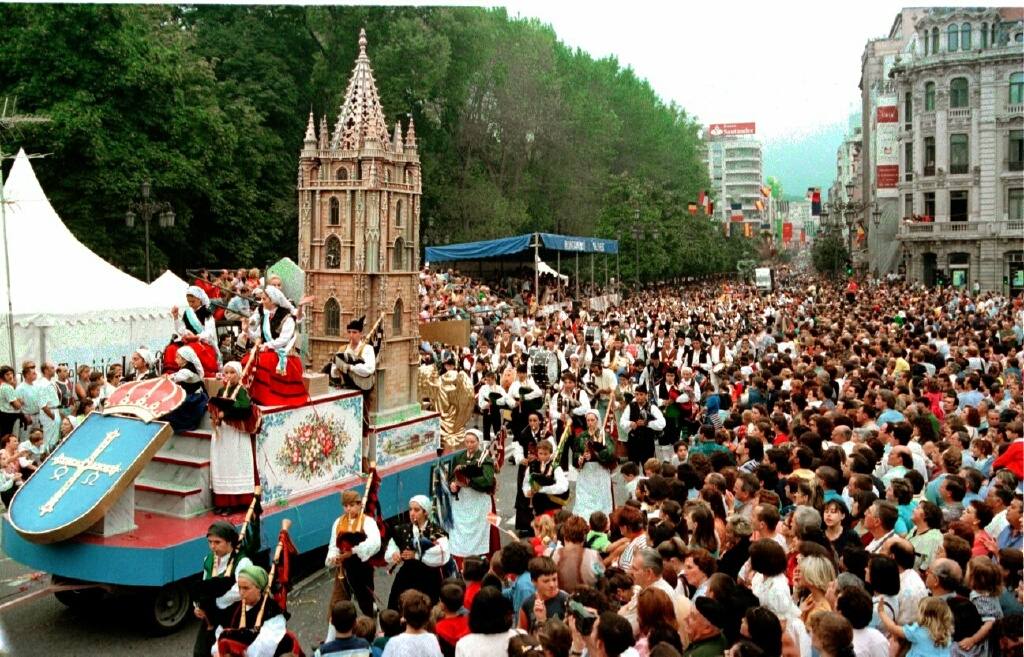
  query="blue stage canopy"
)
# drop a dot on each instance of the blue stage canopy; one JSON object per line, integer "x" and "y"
{"x": 517, "y": 244}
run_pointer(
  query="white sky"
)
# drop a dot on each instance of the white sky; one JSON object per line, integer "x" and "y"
{"x": 789, "y": 66}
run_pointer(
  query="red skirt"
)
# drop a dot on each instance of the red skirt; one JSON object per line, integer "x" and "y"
{"x": 270, "y": 388}
{"x": 207, "y": 356}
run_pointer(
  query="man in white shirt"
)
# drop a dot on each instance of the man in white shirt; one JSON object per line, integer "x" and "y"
{"x": 646, "y": 569}
{"x": 491, "y": 399}
{"x": 642, "y": 421}
{"x": 49, "y": 406}
{"x": 912, "y": 587}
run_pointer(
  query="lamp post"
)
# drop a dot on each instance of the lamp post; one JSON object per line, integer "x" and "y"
{"x": 640, "y": 232}
{"x": 147, "y": 208}
{"x": 843, "y": 213}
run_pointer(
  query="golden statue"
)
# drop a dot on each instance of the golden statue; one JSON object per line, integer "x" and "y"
{"x": 451, "y": 395}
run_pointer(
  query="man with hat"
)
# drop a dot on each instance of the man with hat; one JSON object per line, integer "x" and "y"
{"x": 704, "y": 628}
{"x": 357, "y": 359}
{"x": 569, "y": 405}
{"x": 491, "y": 399}
{"x": 641, "y": 421}
{"x": 221, "y": 563}
{"x": 355, "y": 540}
{"x": 526, "y": 397}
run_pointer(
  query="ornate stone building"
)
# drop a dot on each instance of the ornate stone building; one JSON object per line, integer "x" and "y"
{"x": 359, "y": 213}
{"x": 959, "y": 87}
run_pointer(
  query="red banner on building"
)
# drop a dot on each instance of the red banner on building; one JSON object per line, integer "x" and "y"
{"x": 787, "y": 232}
{"x": 730, "y": 129}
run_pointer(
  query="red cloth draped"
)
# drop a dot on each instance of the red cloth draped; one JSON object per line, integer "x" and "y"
{"x": 207, "y": 356}
{"x": 271, "y": 388}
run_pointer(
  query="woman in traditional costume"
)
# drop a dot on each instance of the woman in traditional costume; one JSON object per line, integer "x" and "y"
{"x": 220, "y": 564}
{"x": 189, "y": 375}
{"x": 141, "y": 366}
{"x": 594, "y": 457}
{"x": 232, "y": 449}
{"x": 421, "y": 547}
{"x": 195, "y": 328}
{"x": 247, "y": 632}
{"x": 472, "y": 485}
{"x": 278, "y": 376}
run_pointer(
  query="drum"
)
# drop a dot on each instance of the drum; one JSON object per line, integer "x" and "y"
{"x": 544, "y": 368}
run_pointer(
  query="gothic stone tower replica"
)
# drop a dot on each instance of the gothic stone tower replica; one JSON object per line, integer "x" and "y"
{"x": 359, "y": 214}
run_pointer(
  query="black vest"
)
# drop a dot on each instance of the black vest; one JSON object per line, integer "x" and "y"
{"x": 637, "y": 412}
{"x": 275, "y": 321}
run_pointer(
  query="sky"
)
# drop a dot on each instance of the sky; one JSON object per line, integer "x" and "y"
{"x": 793, "y": 68}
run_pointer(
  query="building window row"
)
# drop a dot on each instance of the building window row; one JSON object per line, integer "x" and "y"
{"x": 958, "y": 204}
{"x": 958, "y": 37}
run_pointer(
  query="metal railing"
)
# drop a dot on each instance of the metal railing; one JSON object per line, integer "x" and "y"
{"x": 961, "y": 229}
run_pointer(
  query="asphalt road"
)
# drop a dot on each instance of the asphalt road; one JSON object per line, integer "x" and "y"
{"x": 45, "y": 627}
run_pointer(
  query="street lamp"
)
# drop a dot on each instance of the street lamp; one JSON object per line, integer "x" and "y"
{"x": 876, "y": 217}
{"x": 147, "y": 208}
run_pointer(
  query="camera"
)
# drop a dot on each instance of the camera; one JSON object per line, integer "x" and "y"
{"x": 585, "y": 618}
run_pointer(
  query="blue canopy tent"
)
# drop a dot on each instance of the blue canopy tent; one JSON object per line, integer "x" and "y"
{"x": 519, "y": 245}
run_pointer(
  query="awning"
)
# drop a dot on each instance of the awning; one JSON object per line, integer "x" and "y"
{"x": 517, "y": 244}
{"x": 579, "y": 244}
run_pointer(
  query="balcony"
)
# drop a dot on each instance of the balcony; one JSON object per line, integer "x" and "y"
{"x": 960, "y": 113}
{"x": 960, "y": 230}
{"x": 1015, "y": 108}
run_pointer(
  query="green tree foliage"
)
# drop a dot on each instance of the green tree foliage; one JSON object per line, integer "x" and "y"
{"x": 517, "y": 132}
{"x": 829, "y": 254}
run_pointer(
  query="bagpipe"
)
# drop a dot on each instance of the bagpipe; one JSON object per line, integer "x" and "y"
{"x": 406, "y": 539}
{"x": 235, "y": 640}
{"x": 346, "y": 541}
{"x": 206, "y": 591}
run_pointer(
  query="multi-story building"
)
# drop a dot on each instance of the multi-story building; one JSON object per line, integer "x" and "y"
{"x": 960, "y": 93}
{"x": 734, "y": 166}
{"x": 848, "y": 184}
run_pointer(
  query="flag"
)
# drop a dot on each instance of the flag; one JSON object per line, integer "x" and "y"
{"x": 701, "y": 198}
{"x": 766, "y": 192}
{"x": 710, "y": 207}
{"x": 860, "y": 234}
{"x": 737, "y": 211}
{"x": 748, "y": 229}
{"x": 692, "y": 207}
{"x": 705, "y": 202}
{"x": 787, "y": 232}
{"x": 759, "y": 204}
{"x": 282, "y": 574}
{"x": 814, "y": 195}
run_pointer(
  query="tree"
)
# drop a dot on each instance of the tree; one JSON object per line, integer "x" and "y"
{"x": 829, "y": 255}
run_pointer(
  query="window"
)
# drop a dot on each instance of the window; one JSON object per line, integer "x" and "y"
{"x": 397, "y": 256}
{"x": 408, "y": 176}
{"x": 952, "y": 37}
{"x": 908, "y": 161}
{"x": 398, "y": 213}
{"x": 332, "y": 318}
{"x": 332, "y": 253}
{"x": 908, "y": 111}
{"x": 958, "y": 93}
{"x": 335, "y": 214}
{"x": 929, "y": 156}
{"x": 1015, "y": 203}
{"x": 965, "y": 36}
{"x": 341, "y": 174}
{"x": 929, "y": 204}
{"x": 958, "y": 205}
{"x": 929, "y": 96}
{"x": 984, "y": 36}
{"x": 908, "y": 205}
{"x": 935, "y": 41}
{"x": 1015, "y": 152}
{"x": 959, "y": 156}
{"x": 396, "y": 319}
{"x": 1016, "y": 88}
{"x": 925, "y": 41}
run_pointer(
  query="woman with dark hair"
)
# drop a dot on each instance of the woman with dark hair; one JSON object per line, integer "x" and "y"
{"x": 883, "y": 580}
{"x": 769, "y": 583}
{"x": 862, "y": 501}
{"x": 836, "y": 518}
{"x": 763, "y": 624}
{"x": 654, "y": 610}
{"x": 701, "y": 525}
{"x": 698, "y": 566}
{"x": 490, "y": 625}
{"x": 716, "y": 501}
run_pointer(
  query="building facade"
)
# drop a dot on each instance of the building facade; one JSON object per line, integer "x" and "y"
{"x": 359, "y": 213}
{"x": 960, "y": 92}
{"x": 848, "y": 184}
{"x": 735, "y": 167}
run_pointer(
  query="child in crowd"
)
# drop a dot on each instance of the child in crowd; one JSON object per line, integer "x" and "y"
{"x": 474, "y": 569}
{"x": 985, "y": 580}
{"x": 597, "y": 538}
{"x": 931, "y": 635}
{"x": 631, "y": 476}
{"x": 454, "y": 621}
{"x": 343, "y": 619}
{"x": 390, "y": 625}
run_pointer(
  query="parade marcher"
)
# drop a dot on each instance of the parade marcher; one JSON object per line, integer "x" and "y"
{"x": 195, "y": 327}
{"x": 222, "y": 537}
{"x": 527, "y": 397}
{"x": 522, "y": 453}
{"x": 641, "y": 421}
{"x": 189, "y": 375}
{"x": 141, "y": 366}
{"x": 236, "y": 422}
{"x": 670, "y": 399}
{"x": 355, "y": 540}
{"x": 569, "y": 405}
{"x": 472, "y": 485}
{"x": 422, "y": 550}
{"x": 546, "y": 486}
{"x": 272, "y": 634}
{"x": 491, "y": 400}
{"x": 277, "y": 380}
{"x": 356, "y": 363}
{"x": 594, "y": 457}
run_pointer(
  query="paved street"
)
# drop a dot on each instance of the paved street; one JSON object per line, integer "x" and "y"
{"x": 45, "y": 627}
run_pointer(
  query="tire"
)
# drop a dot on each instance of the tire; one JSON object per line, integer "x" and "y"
{"x": 167, "y": 608}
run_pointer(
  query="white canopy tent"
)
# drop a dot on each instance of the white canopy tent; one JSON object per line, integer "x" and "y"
{"x": 169, "y": 289}
{"x": 544, "y": 268}
{"x": 59, "y": 300}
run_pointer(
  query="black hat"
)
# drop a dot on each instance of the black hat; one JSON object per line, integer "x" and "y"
{"x": 356, "y": 324}
{"x": 640, "y": 388}
{"x": 522, "y": 368}
{"x": 712, "y": 610}
{"x": 450, "y": 360}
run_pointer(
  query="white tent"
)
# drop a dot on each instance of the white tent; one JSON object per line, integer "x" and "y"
{"x": 59, "y": 300}
{"x": 545, "y": 268}
{"x": 169, "y": 289}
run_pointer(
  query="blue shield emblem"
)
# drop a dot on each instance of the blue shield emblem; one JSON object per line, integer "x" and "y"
{"x": 83, "y": 478}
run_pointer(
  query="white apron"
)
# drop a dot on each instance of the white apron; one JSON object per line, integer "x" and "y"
{"x": 471, "y": 534}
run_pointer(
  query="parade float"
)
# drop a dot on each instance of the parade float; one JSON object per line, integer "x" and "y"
{"x": 124, "y": 502}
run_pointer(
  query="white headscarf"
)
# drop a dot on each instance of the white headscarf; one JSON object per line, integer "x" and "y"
{"x": 276, "y": 296}
{"x": 189, "y": 356}
{"x": 233, "y": 365}
{"x": 146, "y": 355}
{"x": 423, "y": 502}
{"x": 199, "y": 293}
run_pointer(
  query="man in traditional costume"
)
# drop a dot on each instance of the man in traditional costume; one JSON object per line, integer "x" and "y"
{"x": 594, "y": 457}
{"x": 491, "y": 400}
{"x": 547, "y": 486}
{"x": 196, "y": 328}
{"x": 642, "y": 421}
{"x": 526, "y": 396}
{"x": 357, "y": 358}
{"x": 141, "y": 366}
{"x": 523, "y": 452}
{"x": 355, "y": 540}
{"x": 189, "y": 375}
{"x": 421, "y": 547}
{"x": 272, "y": 328}
{"x": 233, "y": 445}
{"x": 220, "y": 564}
{"x": 271, "y": 630}
{"x": 569, "y": 405}
{"x": 472, "y": 485}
